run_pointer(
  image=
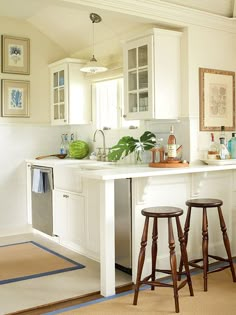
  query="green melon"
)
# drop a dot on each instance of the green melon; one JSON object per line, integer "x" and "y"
{"x": 78, "y": 149}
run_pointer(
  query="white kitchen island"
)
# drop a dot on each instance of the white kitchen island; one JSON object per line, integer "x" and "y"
{"x": 154, "y": 186}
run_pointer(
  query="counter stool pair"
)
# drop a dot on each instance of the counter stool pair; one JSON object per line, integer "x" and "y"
{"x": 170, "y": 213}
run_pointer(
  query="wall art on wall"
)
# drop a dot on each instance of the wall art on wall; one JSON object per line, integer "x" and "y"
{"x": 217, "y": 99}
{"x": 15, "y": 55}
{"x": 15, "y": 98}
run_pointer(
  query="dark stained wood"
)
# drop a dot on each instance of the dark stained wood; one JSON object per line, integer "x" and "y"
{"x": 184, "y": 254}
{"x": 204, "y": 204}
{"x": 141, "y": 260}
{"x": 167, "y": 213}
{"x": 39, "y": 310}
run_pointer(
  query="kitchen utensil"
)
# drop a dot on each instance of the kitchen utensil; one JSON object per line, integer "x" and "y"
{"x": 60, "y": 156}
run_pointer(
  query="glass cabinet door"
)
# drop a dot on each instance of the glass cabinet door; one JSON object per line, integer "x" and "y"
{"x": 59, "y": 95}
{"x": 138, "y": 79}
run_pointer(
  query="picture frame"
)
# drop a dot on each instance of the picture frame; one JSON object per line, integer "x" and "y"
{"x": 217, "y": 99}
{"x": 15, "y": 98}
{"x": 15, "y": 55}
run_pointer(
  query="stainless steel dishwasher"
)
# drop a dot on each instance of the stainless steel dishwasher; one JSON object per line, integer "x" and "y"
{"x": 123, "y": 225}
{"x": 41, "y": 193}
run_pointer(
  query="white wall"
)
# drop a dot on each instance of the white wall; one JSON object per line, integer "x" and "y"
{"x": 42, "y": 52}
{"x": 207, "y": 48}
{"x": 23, "y": 138}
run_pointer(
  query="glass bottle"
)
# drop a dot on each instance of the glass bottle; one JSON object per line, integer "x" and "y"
{"x": 171, "y": 145}
{"x": 223, "y": 151}
{"x": 232, "y": 146}
{"x": 62, "y": 146}
{"x": 213, "y": 148}
{"x": 66, "y": 143}
{"x": 222, "y": 135}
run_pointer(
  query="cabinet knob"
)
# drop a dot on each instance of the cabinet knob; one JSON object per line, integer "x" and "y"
{"x": 65, "y": 196}
{"x": 124, "y": 116}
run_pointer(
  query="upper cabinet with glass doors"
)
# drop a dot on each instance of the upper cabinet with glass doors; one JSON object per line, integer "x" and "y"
{"x": 70, "y": 93}
{"x": 152, "y": 75}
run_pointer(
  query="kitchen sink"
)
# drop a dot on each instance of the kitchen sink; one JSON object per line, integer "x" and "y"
{"x": 95, "y": 167}
{"x": 91, "y": 167}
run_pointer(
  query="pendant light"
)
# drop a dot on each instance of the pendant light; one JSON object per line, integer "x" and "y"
{"x": 93, "y": 66}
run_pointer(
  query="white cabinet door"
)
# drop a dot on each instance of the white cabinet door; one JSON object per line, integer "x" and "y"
{"x": 76, "y": 220}
{"x": 60, "y": 213}
{"x": 69, "y": 217}
{"x": 70, "y": 93}
{"x": 92, "y": 218}
{"x": 138, "y": 78}
{"x": 152, "y": 76}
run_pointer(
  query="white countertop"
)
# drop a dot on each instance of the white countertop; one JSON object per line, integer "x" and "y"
{"x": 117, "y": 170}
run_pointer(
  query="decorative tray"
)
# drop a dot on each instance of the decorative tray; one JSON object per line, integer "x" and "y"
{"x": 220, "y": 162}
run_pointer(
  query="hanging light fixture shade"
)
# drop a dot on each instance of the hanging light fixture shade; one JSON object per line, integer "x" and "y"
{"x": 93, "y": 66}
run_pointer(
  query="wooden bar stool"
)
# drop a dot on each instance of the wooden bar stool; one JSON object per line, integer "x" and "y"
{"x": 160, "y": 213}
{"x": 205, "y": 204}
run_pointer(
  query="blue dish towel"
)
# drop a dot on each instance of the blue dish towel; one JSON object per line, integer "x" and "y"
{"x": 40, "y": 182}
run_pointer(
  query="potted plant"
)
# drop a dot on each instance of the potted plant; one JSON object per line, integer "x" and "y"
{"x": 128, "y": 145}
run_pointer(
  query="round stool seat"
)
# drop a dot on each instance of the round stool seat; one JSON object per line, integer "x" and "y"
{"x": 204, "y": 203}
{"x": 162, "y": 212}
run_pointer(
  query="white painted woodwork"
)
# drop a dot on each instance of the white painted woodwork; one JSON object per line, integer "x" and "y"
{"x": 107, "y": 238}
{"x": 158, "y": 94}
{"x": 69, "y": 218}
{"x": 70, "y": 98}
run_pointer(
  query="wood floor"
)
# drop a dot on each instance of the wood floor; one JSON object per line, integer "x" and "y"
{"x": 70, "y": 302}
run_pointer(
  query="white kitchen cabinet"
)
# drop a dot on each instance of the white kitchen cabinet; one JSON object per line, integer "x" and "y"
{"x": 70, "y": 93}
{"x": 152, "y": 75}
{"x": 69, "y": 217}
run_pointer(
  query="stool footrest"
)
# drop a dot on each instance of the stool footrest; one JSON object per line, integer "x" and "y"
{"x": 168, "y": 272}
{"x": 194, "y": 262}
{"x": 157, "y": 283}
{"x": 218, "y": 258}
{"x": 219, "y": 269}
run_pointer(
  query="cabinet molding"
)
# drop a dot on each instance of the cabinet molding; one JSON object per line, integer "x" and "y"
{"x": 152, "y": 75}
{"x": 70, "y": 93}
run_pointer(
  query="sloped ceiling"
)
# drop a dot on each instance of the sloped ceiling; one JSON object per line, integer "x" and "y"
{"x": 68, "y": 24}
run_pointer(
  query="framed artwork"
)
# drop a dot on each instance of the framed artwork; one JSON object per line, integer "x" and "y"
{"x": 15, "y": 98}
{"x": 15, "y": 55}
{"x": 217, "y": 99}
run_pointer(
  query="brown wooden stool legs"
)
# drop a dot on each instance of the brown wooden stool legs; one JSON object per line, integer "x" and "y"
{"x": 205, "y": 247}
{"x": 226, "y": 243}
{"x": 205, "y": 254}
{"x": 151, "y": 279}
{"x": 184, "y": 255}
{"x": 141, "y": 259}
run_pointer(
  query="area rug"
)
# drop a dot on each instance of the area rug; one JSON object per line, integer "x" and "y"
{"x": 218, "y": 300}
{"x": 27, "y": 260}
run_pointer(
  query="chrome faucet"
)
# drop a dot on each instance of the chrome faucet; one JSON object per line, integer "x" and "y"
{"x": 103, "y": 156}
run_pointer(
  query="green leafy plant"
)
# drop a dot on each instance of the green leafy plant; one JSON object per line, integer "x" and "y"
{"x": 127, "y": 145}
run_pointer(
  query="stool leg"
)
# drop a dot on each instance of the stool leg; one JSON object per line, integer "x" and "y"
{"x": 226, "y": 243}
{"x": 154, "y": 250}
{"x": 184, "y": 255}
{"x": 186, "y": 230}
{"x": 205, "y": 247}
{"x": 173, "y": 264}
{"x": 141, "y": 259}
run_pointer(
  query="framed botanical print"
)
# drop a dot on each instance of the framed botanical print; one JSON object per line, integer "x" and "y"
{"x": 15, "y": 55}
{"x": 15, "y": 98}
{"x": 217, "y": 99}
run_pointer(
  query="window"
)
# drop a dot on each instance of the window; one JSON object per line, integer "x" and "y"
{"x": 108, "y": 98}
